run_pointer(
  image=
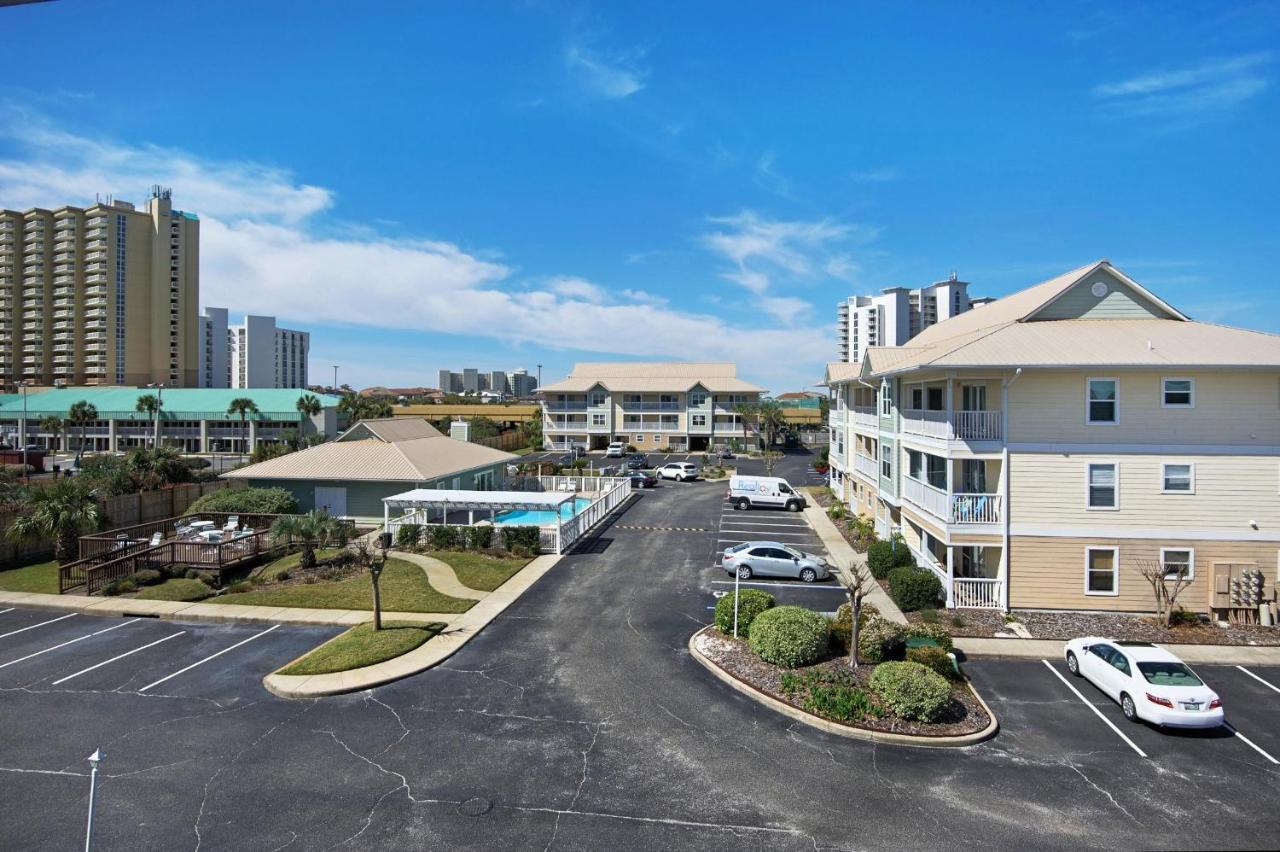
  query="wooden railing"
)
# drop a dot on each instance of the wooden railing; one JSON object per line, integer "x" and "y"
{"x": 108, "y": 541}
{"x": 977, "y": 593}
{"x": 211, "y": 556}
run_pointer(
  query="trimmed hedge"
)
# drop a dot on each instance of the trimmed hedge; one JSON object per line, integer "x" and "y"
{"x": 932, "y": 631}
{"x": 407, "y": 535}
{"x": 479, "y": 538}
{"x": 842, "y": 624}
{"x": 914, "y": 588}
{"x": 250, "y": 501}
{"x": 934, "y": 659}
{"x": 911, "y": 690}
{"x": 881, "y": 640}
{"x": 527, "y": 537}
{"x": 751, "y": 603}
{"x": 790, "y": 636}
{"x": 884, "y": 556}
{"x": 444, "y": 538}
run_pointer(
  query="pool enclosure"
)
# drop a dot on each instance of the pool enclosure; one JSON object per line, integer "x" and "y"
{"x": 562, "y": 507}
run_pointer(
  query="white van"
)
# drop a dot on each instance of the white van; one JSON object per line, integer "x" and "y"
{"x": 748, "y": 491}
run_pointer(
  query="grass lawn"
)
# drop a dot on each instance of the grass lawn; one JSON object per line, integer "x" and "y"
{"x": 41, "y": 577}
{"x": 480, "y": 572}
{"x": 404, "y": 589}
{"x": 523, "y": 451}
{"x": 290, "y": 561}
{"x": 175, "y": 590}
{"x": 363, "y": 646}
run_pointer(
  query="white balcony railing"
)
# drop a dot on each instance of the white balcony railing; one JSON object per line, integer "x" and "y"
{"x": 930, "y": 498}
{"x": 953, "y": 508}
{"x": 566, "y": 405}
{"x": 978, "y": 593}
{"x": 866, "y": 466}
{"x": 652, "y": 406}
{"x": 630, "y": 426}
{"x": 953, "y": 426}
{"x": 865, "y": 415}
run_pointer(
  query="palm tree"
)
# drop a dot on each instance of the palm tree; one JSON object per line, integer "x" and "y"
{"x": 63, "y": 512}
{"x": 747, "y": 412}
{"x": 243, "y": 406}
{"x": 82, "y": 413}
{"x": 359, "y": 408}
{"x": 53, "y": 425}
{"x": 308, "y": 405}
{"x": 314, "y": 529}
{"x": 149, "y": 404}
{"x": 772, "y": 420}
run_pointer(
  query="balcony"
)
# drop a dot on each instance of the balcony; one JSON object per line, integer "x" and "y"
{"x": 564, "y": 425}
{"x": 961, "y": 509}
{"x": 866, "y": 417}
{"x": 641, "y": 426}
{"x": 566, "y": 405}
{"x": 953, "y": 426}
{"x": 866, "y": 466}
{"x": 652, "y": 406}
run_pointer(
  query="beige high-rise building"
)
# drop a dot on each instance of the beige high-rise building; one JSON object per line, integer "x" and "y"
{"x": 104, "y": 295}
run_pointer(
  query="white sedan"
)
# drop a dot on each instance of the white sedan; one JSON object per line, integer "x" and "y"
{"x": 1150, "y": 684}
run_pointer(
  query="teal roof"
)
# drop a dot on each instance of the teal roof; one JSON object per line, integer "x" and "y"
{"x": 118, "y": 403}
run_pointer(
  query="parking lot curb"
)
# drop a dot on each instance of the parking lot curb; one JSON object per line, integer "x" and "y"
{"x": 434, "y": 651}
{"x": 834, "y": 727}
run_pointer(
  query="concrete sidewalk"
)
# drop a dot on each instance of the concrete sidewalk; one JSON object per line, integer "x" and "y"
{"x": 441, "y": 575}
{"x": 844, "y": 554}
{"x": 433, "y": 652}
{"x": 218, "y": 613}
{"x": 1053, "y": 649}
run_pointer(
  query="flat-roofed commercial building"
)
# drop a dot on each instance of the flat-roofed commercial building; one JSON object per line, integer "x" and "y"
{"x": 1040, "y": 451}
{"x": 687, "y": 406}
{"x": 103, "y": 295}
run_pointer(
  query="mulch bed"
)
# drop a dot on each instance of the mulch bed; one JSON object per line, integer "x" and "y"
{"x": 988, "y": 623}
{"x": 965, "y": 716}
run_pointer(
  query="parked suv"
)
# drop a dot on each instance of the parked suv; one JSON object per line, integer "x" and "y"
{"x": 615, "y": 450}
{"x": 679, "y": 471}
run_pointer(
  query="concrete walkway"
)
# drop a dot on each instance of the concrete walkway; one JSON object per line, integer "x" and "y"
{"x": 198, "y": 611}
{"x": 1053, "y": 649}
{"x": 433, "y": 652}
{"x": 844, "y": 554}
{"x": 441, "y": 575}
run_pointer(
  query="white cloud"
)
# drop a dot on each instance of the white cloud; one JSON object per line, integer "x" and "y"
{"x": 608, "y": 74}
{"x": 268, "y": 246}
{"x": 1212, "y": 87}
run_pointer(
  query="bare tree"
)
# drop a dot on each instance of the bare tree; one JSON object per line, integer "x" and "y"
{"x": 770, "y": 459}
{"x": 1167, "y": 582}
{"x": 856, "y": 581}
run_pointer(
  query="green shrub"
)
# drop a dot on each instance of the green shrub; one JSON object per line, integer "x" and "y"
{"x": 914, "y": 588}
{"x": 282, "y": 575}
{"x": 934, "y": 659}
{"x": 1181, "y": 618}
{"x": 146, "y": 577}
{"x": 911, "y": 690}
{"x": 881, "y": 640}
{"x": 842, "y": 625}
{"x": 527, "y": 537}
{"x": 751, "y": 602}
{"x": 266, "y": 501}
{"x": 407, "y": 536}
{"x": 836, "y": 512}
{"x": 929, "y": 616}
{"x": 480, "y": 537}
{"x": 880, "y": 558}
{"x": 790, "y": 636}
{"x": 833, "y": 695}
{"x": 957, "y": 621}
{"x": 192, "y": 574}
{"x": 196, "y": 462}
{"x": 444, "y": 537}
{"x": 239, "y": 588}
{"x": 936, "y": 632}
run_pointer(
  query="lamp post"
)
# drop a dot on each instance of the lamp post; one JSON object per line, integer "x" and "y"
{"x": 94, "y": 760}
{"x": 375, "y": 571}
{"x": 26, "y": 474}
{"x": 335, "y": 378}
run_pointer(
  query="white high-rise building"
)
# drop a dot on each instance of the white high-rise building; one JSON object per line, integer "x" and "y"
{"x": 898, "y": 314}
{"x": 254, "y": 354}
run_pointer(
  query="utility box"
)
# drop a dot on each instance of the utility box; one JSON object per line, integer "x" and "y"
{"x": 460, "y": 430}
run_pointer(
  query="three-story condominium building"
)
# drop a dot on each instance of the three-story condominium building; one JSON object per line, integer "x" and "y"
{"x": 686, "y": 406}
{"x": 1044, "y": 450}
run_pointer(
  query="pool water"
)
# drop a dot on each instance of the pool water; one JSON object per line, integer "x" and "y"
{"x": 529, "y": 518}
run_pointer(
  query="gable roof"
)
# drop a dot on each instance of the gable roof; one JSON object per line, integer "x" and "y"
{"x": 371, "y": 459}
{"x": 721, "y": 376}
{"x": 391, "y": 429}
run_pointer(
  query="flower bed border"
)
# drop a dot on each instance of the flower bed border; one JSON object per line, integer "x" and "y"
{"x": 837, "y": 728}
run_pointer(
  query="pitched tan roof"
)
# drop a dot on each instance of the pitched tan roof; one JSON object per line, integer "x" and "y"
{"x": 391, "y": 429}
{"x": 653, "y": 376}
{"x": 374, "y": 460}
{"x": 842, "y": 371}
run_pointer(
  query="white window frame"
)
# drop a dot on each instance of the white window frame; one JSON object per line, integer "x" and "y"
{"x": 1191, "y": 559}
{"x": 1164, "y": 489}
{"x": 1115, "y": 571}
{"x": 1088, "y": 409}
{"x": 1087, "y": 484}
{"x": 883, "y": 460}
{"x": 1192, "y": 392}
{"x": 597, "y": 420}
{"x": 698, "y": 420}
{"x": 886, "y": 400}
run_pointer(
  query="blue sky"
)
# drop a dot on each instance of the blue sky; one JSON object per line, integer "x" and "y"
{"x": 449, "y": 185}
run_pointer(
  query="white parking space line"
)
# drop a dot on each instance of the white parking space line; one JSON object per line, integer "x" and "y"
{"x": 34, "y": 626}
{"x": 801, "y": 526}
{"x": 208, "y": 658}
{"x": 3, "y": 611}
{"x": 808, "y": 587}
{"x": 1250, "y": 743}
{"x": 1096, "y": 711}
{"x": 118, "y": 657}
{"x": 1268, "y": 684}
{"x": 68, "y": 642}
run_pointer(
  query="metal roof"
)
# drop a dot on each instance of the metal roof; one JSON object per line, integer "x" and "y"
{"x": 424, "y": 498}
{"x": 119, "y": 403}
{"x": 373, "y": 460}
{"x": 653, "y": 376}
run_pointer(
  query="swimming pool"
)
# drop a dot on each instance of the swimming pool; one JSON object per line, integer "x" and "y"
{"x": 529, "y": 518}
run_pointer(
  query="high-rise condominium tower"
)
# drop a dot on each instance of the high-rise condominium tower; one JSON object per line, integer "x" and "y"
{"x": 103, "y": 295}
{"x": 898, "y": 314}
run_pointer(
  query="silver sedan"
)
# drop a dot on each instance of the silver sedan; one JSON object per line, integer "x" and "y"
{"x": 774, "y": 559}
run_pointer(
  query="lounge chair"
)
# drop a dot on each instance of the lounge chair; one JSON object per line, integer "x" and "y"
{"x": 156, "y": 538}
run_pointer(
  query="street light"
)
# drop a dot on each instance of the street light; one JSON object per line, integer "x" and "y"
{"x": 94, "y": 760}
{"x": 375, "y": 571}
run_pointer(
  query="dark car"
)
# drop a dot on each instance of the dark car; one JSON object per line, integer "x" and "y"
{"x": 725, "y": 453}
{"x": 637, "y": 461}
{"x": 640, "y": 479}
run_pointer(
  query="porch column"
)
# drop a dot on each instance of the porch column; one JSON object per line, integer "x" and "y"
{"x": 950, "y": 408}
{"x": 951, "y": 576}
{"x": 112, "y": 436}
{"x": 386, "y": 516}
{"x": 253, "y": 436}
{"x": 204, "y": 436}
